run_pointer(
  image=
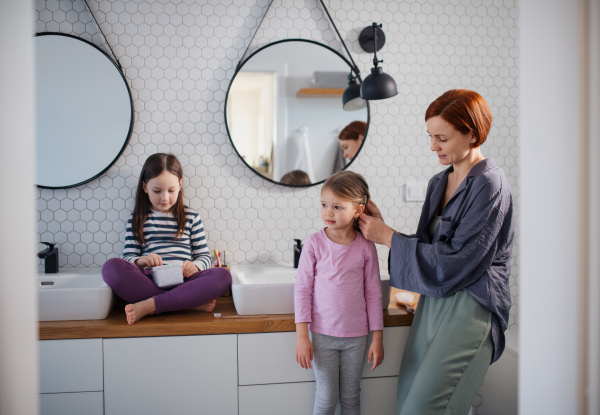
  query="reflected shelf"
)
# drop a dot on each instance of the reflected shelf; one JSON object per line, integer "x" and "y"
{"x": 320, "y": 92}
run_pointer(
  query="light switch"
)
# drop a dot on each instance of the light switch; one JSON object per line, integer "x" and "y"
{"x": 414, "y": 192}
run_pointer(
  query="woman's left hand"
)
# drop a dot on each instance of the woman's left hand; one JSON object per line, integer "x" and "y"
{"x": 375, "y": 230}
{"x": 189, "y": 269}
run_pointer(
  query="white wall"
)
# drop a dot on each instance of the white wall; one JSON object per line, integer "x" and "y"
{"x": 555, "y": 226}
{"x": 18, "y": 300}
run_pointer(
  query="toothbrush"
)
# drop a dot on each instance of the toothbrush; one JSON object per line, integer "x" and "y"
{"x": 225, "y": 258}
{"x": 218, "y": 260}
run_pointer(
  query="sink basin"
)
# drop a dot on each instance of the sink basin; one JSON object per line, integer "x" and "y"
{"x": 269, "y": 289}
{"x": 73, "y": 294}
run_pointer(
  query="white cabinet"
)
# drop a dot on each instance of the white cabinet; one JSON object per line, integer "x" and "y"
{"x": 171, "y": 375}
{"x": 83, "y": 403}
{"x": 378, "y": 396}
{"x": 394, "y": 340}
{"x": 270, "y": 357}
{"x": 271, "y": 382}
{"x": 71, "y": 365}
{"x": 68, "y": 366}
{"x": 277, "y": 399}
{"x": 198, "y": 375}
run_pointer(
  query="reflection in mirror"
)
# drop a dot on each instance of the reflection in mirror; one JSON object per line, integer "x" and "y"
{"x": 84, "y": 112}
{"x": 284, "y": 112}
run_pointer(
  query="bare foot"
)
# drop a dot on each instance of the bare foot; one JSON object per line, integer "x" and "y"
{"x": 139, "y": 310}
{"x": 208, "y": 307}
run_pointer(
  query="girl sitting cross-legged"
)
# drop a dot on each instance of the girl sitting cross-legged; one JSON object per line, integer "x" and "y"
{"x": 162, "y": 231}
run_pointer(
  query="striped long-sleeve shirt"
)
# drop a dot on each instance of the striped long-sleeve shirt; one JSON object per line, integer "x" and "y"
{"x": 159, "y": 234}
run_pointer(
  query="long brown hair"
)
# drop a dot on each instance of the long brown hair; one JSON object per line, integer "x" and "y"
{"x": 154, "y": 166}
{"x": 466, "y": 110}
{"x": 349, "y": 186}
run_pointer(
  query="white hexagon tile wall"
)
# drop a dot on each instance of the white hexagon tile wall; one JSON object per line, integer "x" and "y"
{"x": 179, "y": 56}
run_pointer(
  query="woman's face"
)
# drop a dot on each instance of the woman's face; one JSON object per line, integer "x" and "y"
{"x": 351, "y": 147}
{"x": 450, "y": 145}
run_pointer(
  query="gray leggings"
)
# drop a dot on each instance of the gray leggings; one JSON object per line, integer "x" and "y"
{"x": 338, "y": 363}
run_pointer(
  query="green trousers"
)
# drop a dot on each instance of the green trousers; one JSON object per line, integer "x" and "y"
{"x": 447, "y": 354}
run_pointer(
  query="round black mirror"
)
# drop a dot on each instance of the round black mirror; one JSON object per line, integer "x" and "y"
{"x": 84, "y": 111}
{"x": 284, "y": 113}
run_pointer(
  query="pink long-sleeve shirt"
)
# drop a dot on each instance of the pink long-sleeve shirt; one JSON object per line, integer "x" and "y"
{"x": 338, "y": 287}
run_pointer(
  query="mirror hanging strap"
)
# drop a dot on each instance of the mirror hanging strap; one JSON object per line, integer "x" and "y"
{"x": 354, "y": 67}
{"x": 100, "y": 29}
{"x": 239, "y": 65}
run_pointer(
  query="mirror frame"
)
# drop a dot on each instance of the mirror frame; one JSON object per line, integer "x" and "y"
{"x": 129, "y": 133}
{"x": 238, "y": 69}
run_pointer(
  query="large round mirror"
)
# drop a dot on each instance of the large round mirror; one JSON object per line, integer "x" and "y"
{"x": 84, "y": 111}
{"x": 284, "y": 113}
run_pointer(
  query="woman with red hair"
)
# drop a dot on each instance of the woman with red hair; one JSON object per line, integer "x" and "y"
{"x": 458, "y": 260}
{"x": 351, "y": 138}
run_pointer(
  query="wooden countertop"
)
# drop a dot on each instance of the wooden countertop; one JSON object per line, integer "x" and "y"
{"x": 188, "y": 322}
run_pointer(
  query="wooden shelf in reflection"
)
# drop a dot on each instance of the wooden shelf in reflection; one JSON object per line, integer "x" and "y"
{"x": 320, "y": 92}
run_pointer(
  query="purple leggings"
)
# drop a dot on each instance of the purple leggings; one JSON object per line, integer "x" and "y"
{"x": 134, "y": 284}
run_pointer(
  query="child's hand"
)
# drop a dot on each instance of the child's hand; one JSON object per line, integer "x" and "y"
{"x": 150, "y": 260}
{"x": 304, "y": 352}
{"x": 189, "y": 269}
{"x": 376, "y": 349}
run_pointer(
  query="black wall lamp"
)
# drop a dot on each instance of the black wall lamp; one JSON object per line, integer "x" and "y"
{"x": 351, "y": 100}
{"x": 378, "y": 85}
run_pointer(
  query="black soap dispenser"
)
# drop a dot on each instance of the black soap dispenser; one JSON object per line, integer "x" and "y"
{"x": 297, "y": 252}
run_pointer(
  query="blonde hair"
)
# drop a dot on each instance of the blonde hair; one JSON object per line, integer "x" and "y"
{"x": 349, "y": 186}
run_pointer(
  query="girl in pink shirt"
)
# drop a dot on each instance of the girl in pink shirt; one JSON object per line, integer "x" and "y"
{"x": 337, "y": 296}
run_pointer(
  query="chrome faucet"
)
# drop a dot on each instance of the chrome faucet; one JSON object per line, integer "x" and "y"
{"x": 50, "y": 257}
{"x": 297, "y": 252}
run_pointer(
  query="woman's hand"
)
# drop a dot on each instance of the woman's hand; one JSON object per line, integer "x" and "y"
{"x": 372, "y": 210}
{"x": 373, "y": 227}
{"x": 189, "y": 269}
{"x": 150, "y": 260}
{"x": 376, "y": 349}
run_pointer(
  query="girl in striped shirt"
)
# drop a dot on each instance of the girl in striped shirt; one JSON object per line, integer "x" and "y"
{"x": 163, "y": 231}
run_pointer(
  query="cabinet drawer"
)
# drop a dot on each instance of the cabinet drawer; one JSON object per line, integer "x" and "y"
{"x": 82, "y": 403}
{"x": 71, "y": 365}
{"x": 270, "y": 358}
{"x": 277, "y": 399}
{"x": 394, "y": 340}
{"x": 171, "y": 375}
{"x": 378, "y": 396}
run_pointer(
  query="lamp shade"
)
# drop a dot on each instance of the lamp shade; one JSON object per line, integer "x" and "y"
{"x": 378, "y": 85}
{"x": 351, "y": 99}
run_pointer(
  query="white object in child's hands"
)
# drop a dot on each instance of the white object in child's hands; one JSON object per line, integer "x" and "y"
{"x": 168, "y": 275}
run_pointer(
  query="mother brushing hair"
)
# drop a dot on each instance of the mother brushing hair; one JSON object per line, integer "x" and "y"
{"x": 458, "y": 260}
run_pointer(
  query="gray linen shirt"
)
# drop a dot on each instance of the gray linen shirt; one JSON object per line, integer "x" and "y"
{"x": 471, "y": 248}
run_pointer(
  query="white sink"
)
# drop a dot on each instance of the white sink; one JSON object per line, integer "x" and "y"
{"x": 73, "y": 294}
{"x": 269, "y": 289}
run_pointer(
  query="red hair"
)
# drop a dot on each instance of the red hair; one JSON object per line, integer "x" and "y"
{"x": 353, "y": 130}
{"x": 466, "y": 110}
